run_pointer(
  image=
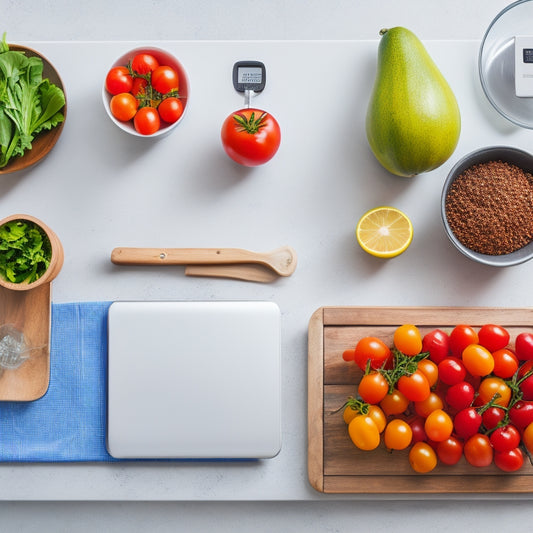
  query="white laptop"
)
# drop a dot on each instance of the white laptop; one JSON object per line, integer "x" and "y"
{"x": 194, "y": 380}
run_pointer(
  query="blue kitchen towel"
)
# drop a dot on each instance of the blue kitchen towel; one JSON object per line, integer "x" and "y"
{"x": 69, "y": 422}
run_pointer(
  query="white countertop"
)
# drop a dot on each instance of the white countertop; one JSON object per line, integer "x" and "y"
{"x": 309, "y": 196}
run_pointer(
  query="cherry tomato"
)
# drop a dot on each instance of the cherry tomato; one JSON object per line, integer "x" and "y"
{"x": 525, "y": 380}
{"x": 505, "y": 363}
{"x": 467, "y": 422}
{"x": 398, "y": 434}
{"x": 422, "y": 457}
{"x": 165, "y": 79}
{"x": 414, "y": 386}
{"x": 118, "y": 80}
{"x": 378, "y": 416}
{"x": 505, "y": 438}
{"x": 430, "y": 370}
{"x": 478, "y": 360}
{"x": 491, "y": 386}
{"x": 524, "y": 346}
{"x": 460, "y": 396}
{"x": 123, "y": 106}
{"x": 478, "y": 450}
{"x": 438, "y": 425}
{"x": 521, "y": 413}
{"x": 460, "y": 337}
{"x": 139, "y": 86}
{"x": 349, "y": 414}
{"x": 437, "y": 343}
{"x": 492, "y": 416}
{"x": 170, "y": 109}
{"x": 493, "y": 337}
{"x": 450, "y": 450}
{"x": 417, "y": 427}
{"x": 373, "y": 387}
{"x": 509, "y": 461}
{"x": 147, "y": 121}
{"x": 349, "y": 354}
{"x": 373, "y": 349}
{"x": 451, "y": 371}
{"x": 527, "y": 437}
{"x": 407, "y": 339}
{"x": 251, "y": 137}
{"x": 394, "y": 403}
{"x": 364, "y": 433}
{"x": 144, "y": 63}
{"x": 431, "y": 403}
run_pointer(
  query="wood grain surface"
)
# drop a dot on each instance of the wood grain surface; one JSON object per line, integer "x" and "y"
{"x": 335, "y": 465}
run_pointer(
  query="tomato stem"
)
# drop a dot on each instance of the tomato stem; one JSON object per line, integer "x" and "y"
{"x": 250, "y": 125}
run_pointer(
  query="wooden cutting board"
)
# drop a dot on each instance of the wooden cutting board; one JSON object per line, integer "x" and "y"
{"x": 335, "y": 465}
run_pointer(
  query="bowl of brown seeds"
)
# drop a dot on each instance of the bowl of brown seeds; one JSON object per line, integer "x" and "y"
{"x": 487, "y": 206}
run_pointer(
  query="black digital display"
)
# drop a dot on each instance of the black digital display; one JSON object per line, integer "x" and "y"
{"x": 527, "y": 54}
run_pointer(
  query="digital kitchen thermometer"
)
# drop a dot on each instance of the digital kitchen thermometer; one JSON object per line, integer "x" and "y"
{"x": 249, "y": 77}
{"x": 523, "y": 65}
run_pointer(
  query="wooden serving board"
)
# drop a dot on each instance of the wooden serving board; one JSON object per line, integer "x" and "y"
{"x": 29, "y": 312}
{"x": 335, "y": 465}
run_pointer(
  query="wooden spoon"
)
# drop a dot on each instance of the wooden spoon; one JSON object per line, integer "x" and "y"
{"x": 282, "y": 260}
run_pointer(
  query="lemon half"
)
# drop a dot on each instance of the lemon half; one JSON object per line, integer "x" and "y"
{"x": 384, "y": 232}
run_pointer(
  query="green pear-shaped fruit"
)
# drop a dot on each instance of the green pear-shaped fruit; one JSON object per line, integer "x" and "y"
{"x": 413, "y": 120}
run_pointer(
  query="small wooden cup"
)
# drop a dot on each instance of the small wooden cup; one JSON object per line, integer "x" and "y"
{"x": 56, "y": 260}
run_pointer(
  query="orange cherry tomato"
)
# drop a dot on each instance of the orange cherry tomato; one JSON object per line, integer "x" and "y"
{"x": 373, "y": 387}
{"x": 415, "y": 386}
{"x": 378, "y": 416}
{"x": 478, "y": 450}
{"x": 394, "y": 403}
{"x": 477, "y": 360}
{"x": 430, "y": 404}
{"x": 491, "y": 386}
{"x": 438, "y": 425}
{"x": 430, "y": 370}
{"x": 422, "y": 457}
{"x": 364, "y": 433}
{"x": 398, "y": 434}
{"x": 527, "y": 437}
{"x": 407, "y": 339}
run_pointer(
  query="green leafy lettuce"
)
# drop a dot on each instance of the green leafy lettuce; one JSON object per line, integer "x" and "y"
{"x": 25, "y": 251}
{"x": 29, "y": 104}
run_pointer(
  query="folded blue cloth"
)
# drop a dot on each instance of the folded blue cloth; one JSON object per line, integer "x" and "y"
{"x": 69, "y": 422}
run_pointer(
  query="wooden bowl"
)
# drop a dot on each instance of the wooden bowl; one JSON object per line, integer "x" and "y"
{"x": 164, "y": 58}
{"x": 56, "y": 261}
{"x": 44, "y": 141}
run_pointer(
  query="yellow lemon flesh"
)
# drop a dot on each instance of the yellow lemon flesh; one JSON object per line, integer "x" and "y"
{"x": 384, "y": 232}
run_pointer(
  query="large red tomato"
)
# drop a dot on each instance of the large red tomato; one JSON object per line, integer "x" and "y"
{"x": 250, "y": 136}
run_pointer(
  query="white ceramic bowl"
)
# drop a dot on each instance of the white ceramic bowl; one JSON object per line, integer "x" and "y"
{"x": 164, "y": 58}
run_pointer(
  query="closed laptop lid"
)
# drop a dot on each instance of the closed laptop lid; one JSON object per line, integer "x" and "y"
{"x": 194, "y": 380}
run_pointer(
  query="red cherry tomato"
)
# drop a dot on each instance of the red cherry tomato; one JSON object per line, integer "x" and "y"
{"x": 414, "y": 386}
{"x": 170, "y": 109}
{"x": 165, "y": 79}
{"x": 509, "y": 461}
{"x": 373, "y": 387}
{"x": 525, "y": 380}
{"x": 147, "y": 121}
{"x": 493, "y": 337}
{"x": 407, "y": 339}
{"x": 521, "y": 413}
{"x": 371, "y": 349}
{"x": 450, "y": 451}
{"x": 505, "y": 438}
{"x": 467, "y": 422}
{"x": 139, "y": 86}
{"x": 417, "y": 427}
{"x": 451, "y": 371}
{"x": 144, "y": 63}
{"x": 251, "y": 137}
{"x": 505, "y": 363}
{"x": 118, "y": 80}
{"x": 524, "y": 346}
{"x": 492, "y": 417}
{"x": 437, "y": 343}
{"x": 460, "y": 396}
{"x": 123, "y": 106}
{"x": 478, "y": 451}
{"x": 460, "y": 337}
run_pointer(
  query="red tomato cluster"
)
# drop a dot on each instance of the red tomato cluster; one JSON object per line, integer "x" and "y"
{"x": 146, "y": 92}
{"x": 445, "y": 396}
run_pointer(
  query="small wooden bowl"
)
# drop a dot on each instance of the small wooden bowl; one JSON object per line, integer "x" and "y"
{"x": 56, "y": 260}
{"x": 46, "y": 140}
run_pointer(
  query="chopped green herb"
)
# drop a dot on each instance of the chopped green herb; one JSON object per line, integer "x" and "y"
{"x": 25, "y": 251}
